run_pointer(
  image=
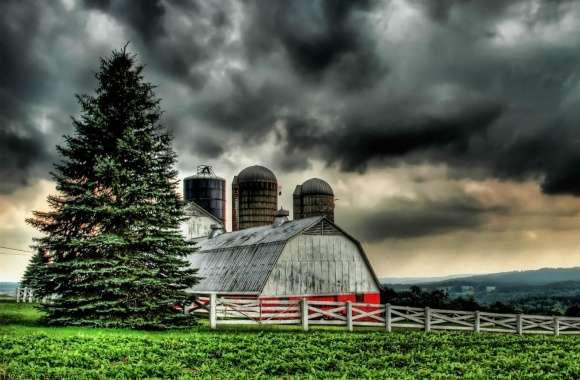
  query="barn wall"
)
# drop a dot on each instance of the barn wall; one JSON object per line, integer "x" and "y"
{"x": 196, "y": 226}
{"x": 320, "y": 264}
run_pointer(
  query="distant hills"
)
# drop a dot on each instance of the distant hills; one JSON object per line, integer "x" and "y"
{"x": 536, "y": 277}
{"x": 419, "y": 280}
{"x": 541, "y": 291}
{"x": 8, "y": 288}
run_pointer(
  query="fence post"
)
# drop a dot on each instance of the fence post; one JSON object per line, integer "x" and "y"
{"x": 427, "y": 319}
{"x": 349, "y": 315}
{"x": 388, "y": 323}
{"x": 212, "y": 310}
{"x": 30, "y": 295}
{"x": 519, "y": 324}
{"x": 476, "y": 321}
{"x": 304, "y": 313}
{"x": 18, "y": 295}
{"x": 556, "y": 326}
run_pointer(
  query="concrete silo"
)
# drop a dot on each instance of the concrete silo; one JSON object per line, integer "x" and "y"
{"x": 207, "y": 190}
{"x": 254, "y": 198}
{"x": 313, "y": 198}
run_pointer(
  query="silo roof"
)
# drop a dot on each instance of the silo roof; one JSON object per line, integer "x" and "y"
{"x": 316, "y": 186}
{"x": 204, "y": 176}
{"x": 256, "y": 173}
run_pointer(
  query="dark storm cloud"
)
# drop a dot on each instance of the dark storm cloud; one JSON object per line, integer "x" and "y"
{"x": 146, "y": 17}
{"x": 173, "y": 49}
{"x": 442, "y": 10}
{"x": 319, "y": 38}
{"x": 364, "y": 139}
{"x": 21, "y": 144}
{"x": 325, "y": 77}
{"x": 401, "y": 218}
{"x": 506, "y": 118}
{"x": 246, "y": 109}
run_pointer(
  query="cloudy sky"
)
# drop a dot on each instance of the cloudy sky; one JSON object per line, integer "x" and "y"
{"x": 450, "y": 130}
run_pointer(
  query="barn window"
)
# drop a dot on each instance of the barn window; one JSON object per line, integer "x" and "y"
{"x": 322, "y": 228}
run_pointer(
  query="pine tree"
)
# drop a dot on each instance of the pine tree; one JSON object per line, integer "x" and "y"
{"x": 117, "y": 258}
{"x": 35, "y": 274}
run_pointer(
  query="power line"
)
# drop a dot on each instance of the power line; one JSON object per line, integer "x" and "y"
{"x": 15, "y": 254}
{"x": 14, "y": 249}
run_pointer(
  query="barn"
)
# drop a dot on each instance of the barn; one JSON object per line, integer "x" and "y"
{"x": 306, "y": 258}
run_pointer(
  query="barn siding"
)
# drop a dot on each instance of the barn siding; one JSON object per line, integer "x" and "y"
{"x": 311, "y": 264}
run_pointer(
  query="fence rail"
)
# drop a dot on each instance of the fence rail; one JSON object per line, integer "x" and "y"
{"x": 232, "y": 311}
{"x": 24, "y": 294}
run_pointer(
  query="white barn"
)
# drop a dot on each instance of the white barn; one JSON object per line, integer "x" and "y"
{"x": 310, "y": 258}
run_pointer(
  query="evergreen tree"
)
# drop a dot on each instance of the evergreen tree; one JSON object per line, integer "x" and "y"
{"x": 116, "y": 252}
{"x": 35, "y": 274}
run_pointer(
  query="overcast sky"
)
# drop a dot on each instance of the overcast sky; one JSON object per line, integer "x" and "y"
{"x": 449, "y": 130}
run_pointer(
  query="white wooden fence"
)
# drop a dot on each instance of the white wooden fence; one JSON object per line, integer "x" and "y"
{"x": 228, "y": 311}
{"x": 24, "y": 295}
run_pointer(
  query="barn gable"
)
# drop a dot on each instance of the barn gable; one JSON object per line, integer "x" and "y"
{"x": 321, "y": 260}
{"x": 198, "y": 223}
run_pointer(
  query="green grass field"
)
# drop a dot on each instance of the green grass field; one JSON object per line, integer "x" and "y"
{"x": 30, "y": 351}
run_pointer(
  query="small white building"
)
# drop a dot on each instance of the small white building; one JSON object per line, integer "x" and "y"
{"x": 199, "y": 222}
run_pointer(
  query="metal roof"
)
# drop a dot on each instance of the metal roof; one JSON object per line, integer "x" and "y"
{"x": 316, "y": 186}
{"x": 256, "y": 173}
{"x": 241, "y": 261}
{"x": 243, "y": 269}
{"x": 258, "y": 235}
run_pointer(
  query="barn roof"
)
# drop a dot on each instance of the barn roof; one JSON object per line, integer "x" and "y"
{"x": 241, "y": 261}
{"x": 258, "y": 235}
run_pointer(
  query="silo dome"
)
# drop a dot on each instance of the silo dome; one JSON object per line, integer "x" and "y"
{"x": 256, "y": 173}
{"x": 316, "y": 186}
{"x": 254, "y": 198}
{"x": 313, "y": 198}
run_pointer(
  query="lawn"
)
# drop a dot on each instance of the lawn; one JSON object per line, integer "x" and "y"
{"x": 31, "y": 351}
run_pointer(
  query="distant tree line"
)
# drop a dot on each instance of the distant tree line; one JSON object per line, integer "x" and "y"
{"x": 440, "y": 299}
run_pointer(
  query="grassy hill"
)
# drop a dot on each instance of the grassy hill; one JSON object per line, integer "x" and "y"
{"x": 30, "y": 351}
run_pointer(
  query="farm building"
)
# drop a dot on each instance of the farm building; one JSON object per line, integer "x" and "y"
{"x": 199, "y": 222}
{"x": 311, "y": 258}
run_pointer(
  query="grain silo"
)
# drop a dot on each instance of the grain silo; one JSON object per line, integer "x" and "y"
{"x": 207, "y": 190}
{"x": 254, "y": 198}
{"x": 313, "y": 198}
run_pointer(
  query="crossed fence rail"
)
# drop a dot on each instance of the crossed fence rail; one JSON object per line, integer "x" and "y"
{"x": 232, "y": 311}
{"x": 24, "y": 294}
